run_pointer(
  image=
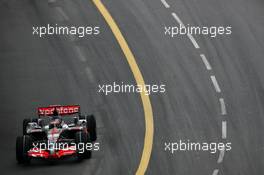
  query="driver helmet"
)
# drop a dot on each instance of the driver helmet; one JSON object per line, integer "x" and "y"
{"x": 56, "y": 119}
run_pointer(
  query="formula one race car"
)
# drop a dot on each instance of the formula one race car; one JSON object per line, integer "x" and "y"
{"x": 59, "y": 131}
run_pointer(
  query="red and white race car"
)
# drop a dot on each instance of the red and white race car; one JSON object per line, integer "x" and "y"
{"x": 59, "y": 131}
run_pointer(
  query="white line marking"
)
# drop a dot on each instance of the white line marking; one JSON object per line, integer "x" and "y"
{"x": 224, "y": 130}
{"x": 80, "y": 54}
{"x": 195, "y": 44}
{"x": 223, "y": 106}
{"x": 215, "y": 171}
{"x": 165, "y": 3}
{"x": 206, "y": 62}
{"x": 221, "y": 156}
{"x": 177, "y": 19}
{"x": 89, "y": 73}
{"x": 63, "y": 14}
{"x": 215, "y": 83}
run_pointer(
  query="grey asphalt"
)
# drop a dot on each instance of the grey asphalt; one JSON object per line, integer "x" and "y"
{"x": 41, "y": 71}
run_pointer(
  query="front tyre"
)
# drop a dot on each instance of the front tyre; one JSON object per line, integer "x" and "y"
{"x": 81, "y": 140}
{"x": 91, "y": 127}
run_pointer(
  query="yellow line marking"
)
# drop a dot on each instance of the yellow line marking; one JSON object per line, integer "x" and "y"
{"x": 149, "y": 132}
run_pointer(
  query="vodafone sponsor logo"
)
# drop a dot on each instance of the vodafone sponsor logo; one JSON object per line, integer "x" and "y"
{"x": 62, "y": 110}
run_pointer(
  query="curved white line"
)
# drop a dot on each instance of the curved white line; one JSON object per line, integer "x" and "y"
{"x": 165, "y": 3}
{"x": 223, "y": 106}
{"x": 221, "y": 156}
{"x": 215, "y": 83}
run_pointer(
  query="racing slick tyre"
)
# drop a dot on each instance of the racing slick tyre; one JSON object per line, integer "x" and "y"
{"x": 23, "y": 145}
{"x": 88, "y": 153}
{"x": 91, "y": 126}
{"x": 82, "y": 138}
{"x": 25, "y": 123}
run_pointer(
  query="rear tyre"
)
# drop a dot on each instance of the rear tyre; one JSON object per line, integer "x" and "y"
{"x": 91, "y": 127}
{"x": 23, "y": 145}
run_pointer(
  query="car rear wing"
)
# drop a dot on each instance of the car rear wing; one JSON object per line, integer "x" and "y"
{"x": 62, "y": 110}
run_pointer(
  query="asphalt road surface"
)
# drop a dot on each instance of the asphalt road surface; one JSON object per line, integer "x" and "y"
{"x": 67, "y": 70}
